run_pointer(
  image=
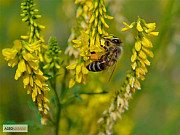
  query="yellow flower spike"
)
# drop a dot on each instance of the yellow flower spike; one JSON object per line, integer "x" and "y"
{"x": 146, "y": 42}
{"x": 72, "y": 66}
{"x": 138, "y": 45}
{"x": 148, "y": 52}
{"x": 71, "y": 83}
{"x": 18, "y": 45}
{"x": 134, "y": 56}
{"x": 139, "y": 27}
{"x": 26, "y": 79}
{"x": 142, "y": 54}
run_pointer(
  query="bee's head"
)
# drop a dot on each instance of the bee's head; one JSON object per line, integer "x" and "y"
{"x": 116, "y": 41}
{"x": 113, "y": 42}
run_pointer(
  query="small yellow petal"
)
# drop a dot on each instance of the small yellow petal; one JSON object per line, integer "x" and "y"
{"x": 146, "y": 42}
{"x": 147, "y": 62}
{"x": 148, "y": 52}
{"x": 79, "y": 77}
{"x": 133, "y": 57}
{"x": 134, "y": 65}
{"x": 71, "y": 83}
{"x": 84, "y": 70}
{"x": 150, "y": 25}
{"x": 22, "y": 66}
{"x": 142, "y": 55}
{"x": 138, "y": 45}
{"x": 26, "y": 79}
{"x": 18, "y": 74}
{"x": 139, "y": 27}
{"x": 154, "y": 33}
{"x": 78, "y": 69}
{"x": 137, "y": 85}
{"x": 18, "y": 45}
{"x": 13, "y": 62}
{"x": 38, "y": 82}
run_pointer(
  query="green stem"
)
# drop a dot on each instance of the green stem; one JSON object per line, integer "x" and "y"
{"x": 58, "y": 103}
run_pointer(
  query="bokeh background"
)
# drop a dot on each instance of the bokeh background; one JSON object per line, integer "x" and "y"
{"x": 155, "y": 110}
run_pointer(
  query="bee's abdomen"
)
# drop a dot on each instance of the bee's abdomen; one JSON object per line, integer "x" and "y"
{"x": 96, "y": 66}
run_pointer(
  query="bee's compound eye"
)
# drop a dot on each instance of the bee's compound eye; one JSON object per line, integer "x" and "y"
{"x": 116, "y": 41}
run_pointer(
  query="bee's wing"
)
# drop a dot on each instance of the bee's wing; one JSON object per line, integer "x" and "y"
{"x": 114, "y": 66}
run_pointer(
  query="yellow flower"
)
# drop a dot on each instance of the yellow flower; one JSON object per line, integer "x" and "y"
{"x": 9, "y": 53}
{"x": 83, "y": 45}
{"x": 138, "y": 45}
{"x": 133, "y": 58}
{"x": 71, "y": 83}
{"x": 139, "y": 27}
{"x": 146, "y": 42}
{"x": 127, "y": 26}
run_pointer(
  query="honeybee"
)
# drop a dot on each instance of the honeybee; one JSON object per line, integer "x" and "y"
{"x": 113, "y": 53}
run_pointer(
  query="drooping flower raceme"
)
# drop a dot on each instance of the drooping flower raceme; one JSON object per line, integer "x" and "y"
{"x": 27, "y": 55}
{"x": 141, "y": 52}
{"x": 22, "y": 54}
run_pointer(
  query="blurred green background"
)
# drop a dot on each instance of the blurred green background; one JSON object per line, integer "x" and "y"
{"x": 155, "y": 110}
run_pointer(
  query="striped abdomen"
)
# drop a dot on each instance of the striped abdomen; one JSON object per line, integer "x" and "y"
{"x": 96, "y": 66}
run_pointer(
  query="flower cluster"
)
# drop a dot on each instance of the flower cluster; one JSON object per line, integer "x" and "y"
{"x": 131, "y": 84}
{"x": 90, "y": 39}
{"x": 22, "y": 54}
{"x": 27, "y": 55}
{"x": 52, "y": 55}
{"x": 96, "y": 25}
{"x": 30, "y": 15}
{"x": 80, "y": 73}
